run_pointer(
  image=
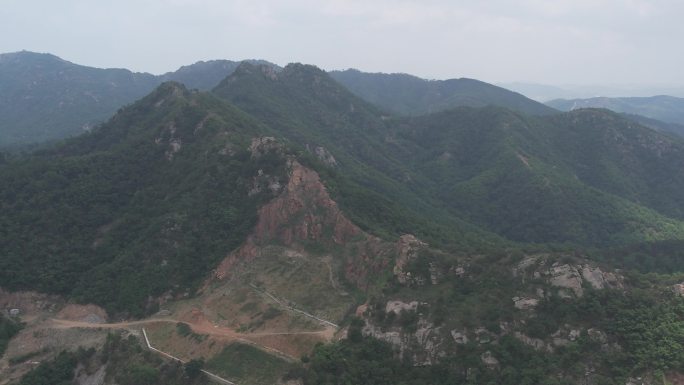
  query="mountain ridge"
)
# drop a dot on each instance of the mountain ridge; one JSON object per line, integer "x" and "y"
{"x": 409, "y": 95}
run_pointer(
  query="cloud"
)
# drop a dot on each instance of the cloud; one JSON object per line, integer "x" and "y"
{"x": 554, "y": 41}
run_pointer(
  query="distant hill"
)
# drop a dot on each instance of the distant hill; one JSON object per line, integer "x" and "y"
{"x": 409, "y": 95}
{"x": 205, "y": 75}
{"x": 502, "y": 171}
{"x": 45, "y": 98}
{"x": 669, "y": 109}
{"x": 655, "y": 124}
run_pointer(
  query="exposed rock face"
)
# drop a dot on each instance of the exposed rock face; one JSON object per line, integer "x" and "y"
{"x": 525, "y": 303}
{"x": 679, "y": 289}
{"x": 407, "y": 250}
{"x": 397, "y": 307}
{"x": 489, "y": 360}
{"x": 566, "y": 276}
{"x": 564, "y": 336}
{"x": 305, "y": 197}
{"x": 325, "y": 156}
{"x": 569, "y": 278}
{"x": 460, "y": 337}
{"x": 303, "y": 212}
{"x": 422, "y": 347}
{"x": 263, "y": 145}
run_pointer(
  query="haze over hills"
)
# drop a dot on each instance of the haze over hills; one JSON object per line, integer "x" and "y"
{"x": 409, "y": 95}
{"x": 544, "y": 92}
{"x": 281, "y": 210}
{"x": 44, "y": 98}
{"x": 668, "y": 109}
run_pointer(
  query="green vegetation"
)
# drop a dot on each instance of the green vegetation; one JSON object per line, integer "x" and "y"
{"x": 662, "y": 107}
{"x": 128, "y": 363}
{"x": 111, "y": 218}
{"x": 150, "y": 202}
{"x": 650, "y": 331}
{"x": 44, "y": 98}
{"x": 666, "y": 257}
{"x": 184, "y": 330}
{"x": 8, "y": 329}
{"x": 193, "y": 368}
{"x": 454, "y": 178}
{"x": 409, "y": 95}
{"x": 247, "y": 365}
{"x": 59, "y": 371}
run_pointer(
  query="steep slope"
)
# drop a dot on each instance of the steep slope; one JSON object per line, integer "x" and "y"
{"x": 409, "y": 95}
{"x": 143, "y": 205}
{"x": 44, "y": 98}
{"x": 372, "y": 183}
{"x": 669, "y": 109}
{"x": 588, "y": 178}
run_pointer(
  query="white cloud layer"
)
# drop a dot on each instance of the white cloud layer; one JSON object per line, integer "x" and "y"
{"x": 548, "y": 41}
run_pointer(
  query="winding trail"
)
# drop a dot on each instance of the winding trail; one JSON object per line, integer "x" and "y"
{"x": 200, "y": 327}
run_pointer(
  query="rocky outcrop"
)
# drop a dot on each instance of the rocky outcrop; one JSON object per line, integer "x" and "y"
{"x": 323, "y": 155}
{"x": 459, "y": 337}
{"x": 263, "y": 145}
{"x": 302, "y": 213}
{"x": 489, "y": 360}
{"x": 536, "y": 343}
{"x": 569, "y": 278}
{"x": 525, "y": 303}
{"x": 566, "y": 277}
{"x": 397, "y": 307}
{"x": 407, "y": 249}
{"x": 425, "y": 346}
{"x": 679, "y": 289}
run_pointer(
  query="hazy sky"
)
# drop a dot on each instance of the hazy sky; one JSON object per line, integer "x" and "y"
{"x": 546, "y": 41}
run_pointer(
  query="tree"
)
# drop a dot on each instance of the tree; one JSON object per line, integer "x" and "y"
{"x": 194, "y": 368}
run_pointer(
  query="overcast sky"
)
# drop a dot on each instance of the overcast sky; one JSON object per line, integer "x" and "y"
{"x": 544, "y": 41}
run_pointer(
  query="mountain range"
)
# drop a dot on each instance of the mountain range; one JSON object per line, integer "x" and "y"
{"x": 668, "y": 109}
{"x": 290, "y": 224}
{"x": 44, "y": 98}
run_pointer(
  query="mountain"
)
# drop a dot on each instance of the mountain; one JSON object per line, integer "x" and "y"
{"x": 587, "y": 177}
{"x": 205, "y": 75}
{"x": 377, "y": 189}
{"x": 544, "y": 93}
{"x": 280, "y": 228}
{"x": 44, "y": 98}
{"x": 504, "y": 172}
{"x": 668, "y": 109}
{"x": 655, "y": 124}
{"x": 137, "y": 207}
{"x": 409, "y": 95}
